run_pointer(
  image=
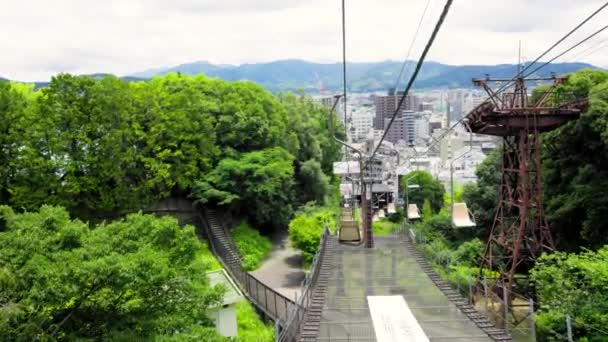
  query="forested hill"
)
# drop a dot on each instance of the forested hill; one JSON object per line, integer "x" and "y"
{"x": 363, "y": 77}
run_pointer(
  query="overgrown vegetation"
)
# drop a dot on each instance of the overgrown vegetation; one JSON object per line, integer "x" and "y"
{"x": 141, "y": 277}
{"x": 252, "y": 246}
{"x": 384, "y": 227}
{"x": 103, "y": 147}
{"x": 306, "y": 228}
{"x": 250, "y": 327}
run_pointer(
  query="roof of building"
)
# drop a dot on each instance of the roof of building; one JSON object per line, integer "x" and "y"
{"x": 220, "y": 277}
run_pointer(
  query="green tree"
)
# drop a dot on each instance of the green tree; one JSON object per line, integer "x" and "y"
{"x": 572, "y": 284}
{"x": 430, "y": 189}
{"x": 482, "y": 197}
{"x": 575, "y": 159}
{"x": 313, "y": 182}
{"x": 14, "y": 104}
{"x": 140, "y": 277}
{"x": 259, "y": 184}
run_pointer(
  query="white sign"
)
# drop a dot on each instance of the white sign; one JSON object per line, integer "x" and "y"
{"x": 393, "y": 320}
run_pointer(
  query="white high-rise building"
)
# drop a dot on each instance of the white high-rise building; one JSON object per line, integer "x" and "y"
{"x": 362, "y": 123}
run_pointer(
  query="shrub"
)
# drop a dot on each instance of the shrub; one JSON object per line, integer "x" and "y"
{"x": 384, "y": 227}
{"x": 469, "y": 253}
{"x": 306, "y": 228}
{"x": 252, "y": 246}
{"x": 573, "y": 284}
{"x": 250, "y": 326}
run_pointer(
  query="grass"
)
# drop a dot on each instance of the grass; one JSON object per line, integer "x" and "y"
{"x": 384, "y": 227}
{"x": 252, "y": 246}
{"x": 205, "y": 257}
{"x": 250, "y": 327}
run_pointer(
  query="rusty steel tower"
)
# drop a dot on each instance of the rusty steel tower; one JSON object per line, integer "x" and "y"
{"x": 520, "y": 232}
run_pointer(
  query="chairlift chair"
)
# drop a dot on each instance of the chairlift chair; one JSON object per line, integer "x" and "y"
{"x": 462, "y": 216}
{"x": 412, "y": 212}
{"x": 381, "y": 213}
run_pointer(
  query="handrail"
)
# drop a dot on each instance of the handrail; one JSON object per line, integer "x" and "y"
{"x": 262, "y": 296}
{"x": 296, "y": 316}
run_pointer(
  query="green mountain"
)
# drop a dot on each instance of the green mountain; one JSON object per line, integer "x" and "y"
{"x": 361, "y": 77}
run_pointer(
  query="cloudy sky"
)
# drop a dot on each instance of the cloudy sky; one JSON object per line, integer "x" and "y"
{"x": 43, "y": 37}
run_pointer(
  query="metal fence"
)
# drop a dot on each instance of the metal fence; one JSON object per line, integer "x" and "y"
{"x": 274, "y": 305}
{"x": 295, "y": 318}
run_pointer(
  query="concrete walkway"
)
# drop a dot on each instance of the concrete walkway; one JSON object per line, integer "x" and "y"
{"x": 282, "y": 269}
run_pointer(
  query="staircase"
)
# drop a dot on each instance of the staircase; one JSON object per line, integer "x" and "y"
{"x": 312, "y": 318}
{"x": 455, "y": 297}
{"x": 222, "y": 240}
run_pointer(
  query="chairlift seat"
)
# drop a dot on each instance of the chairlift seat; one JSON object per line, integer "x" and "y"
{"x": 412, "y": 212}
{"x": 462, "y": 216}
{"x": 349, "y": 231}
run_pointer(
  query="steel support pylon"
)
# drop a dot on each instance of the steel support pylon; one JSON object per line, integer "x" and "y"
{"x": 520, "y": 232}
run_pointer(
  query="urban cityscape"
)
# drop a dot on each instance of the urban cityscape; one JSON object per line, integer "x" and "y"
{"x": 412, "y": 141}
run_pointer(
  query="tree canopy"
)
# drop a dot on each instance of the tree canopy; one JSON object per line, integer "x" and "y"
{"x": 138, "y": 277}
{"x": 429, "y": 189}
{"x": 99, "y": 146}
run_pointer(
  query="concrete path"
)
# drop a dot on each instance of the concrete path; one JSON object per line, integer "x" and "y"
{"x": 282, "y": 269}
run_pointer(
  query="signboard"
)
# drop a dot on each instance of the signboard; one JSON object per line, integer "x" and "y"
{"x": 393, "y": 320}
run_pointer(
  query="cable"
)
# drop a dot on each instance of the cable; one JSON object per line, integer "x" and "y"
{"x": 344, "y": 63}
{"x": 567, "y": 50}
{"x": 601, "y": 47}
{"x": 444, "y": 13}
{"x": 583, "y": 53}
{"x": 407, "y": 61}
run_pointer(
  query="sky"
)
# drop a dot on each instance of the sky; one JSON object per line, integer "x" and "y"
{"x": 41, "y": 38}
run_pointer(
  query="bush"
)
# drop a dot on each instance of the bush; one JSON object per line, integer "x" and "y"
{"x": 573, "y": 284}
{"x": 384, "y": 227}
{"x": 252, "y": 246}
{"x": 469, "y": 253}
{"x": 141, "y": 275}
{"x": 250, "y": 326}
{"x": 306, "y": 228}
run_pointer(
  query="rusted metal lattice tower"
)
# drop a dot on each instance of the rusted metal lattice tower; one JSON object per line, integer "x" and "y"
{"x": 520, "y": 231}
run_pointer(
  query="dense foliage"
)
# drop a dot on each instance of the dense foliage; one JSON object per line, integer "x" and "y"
{"x": 306, "y": 228}
{"x": 482, "y": 197}
{"x": 250, "y": 327}
{"x": 252, "y": 246}
{"x": 259, "y": 184}
{"x": 134, "y": 278}
{"x": 102, "y": 146}
{"x": 429, "y": 189}
{"x": 576, "y": 168}
{"x": 384, "y": 227}
{"x": 575, "y": 285}
{"x": 98, "y": 146}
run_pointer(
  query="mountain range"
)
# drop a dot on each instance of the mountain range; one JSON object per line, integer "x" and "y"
{"x": 361, "y": 77}
{"x": 292, "y": 75}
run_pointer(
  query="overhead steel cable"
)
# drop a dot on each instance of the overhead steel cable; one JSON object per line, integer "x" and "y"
{"x": 344, "y": 63}
{"x": 442, "y": 17}
{"x": 407, "y": 60}
{"x": 567, "y": 50}
{"x": 587, "y": 51}
{"x": 508, "y": 84}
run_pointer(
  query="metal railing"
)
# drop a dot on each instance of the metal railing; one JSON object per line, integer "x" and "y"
{"x": 274, "y": 305}
{"x": 295, "y": 318}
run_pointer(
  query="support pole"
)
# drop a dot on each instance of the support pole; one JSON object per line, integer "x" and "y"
{"x": 569, "y": 328}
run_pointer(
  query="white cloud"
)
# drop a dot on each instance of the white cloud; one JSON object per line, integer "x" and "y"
{"x": 40, "y": 38}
